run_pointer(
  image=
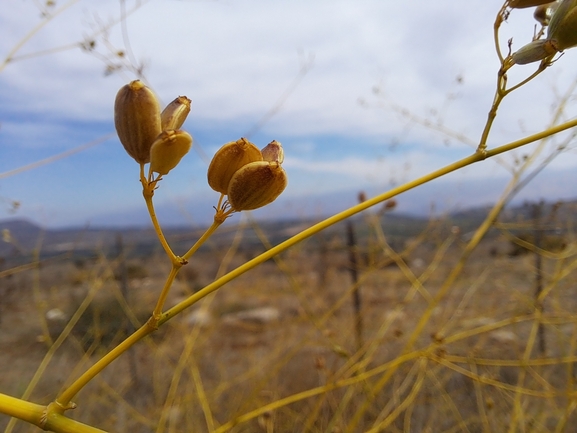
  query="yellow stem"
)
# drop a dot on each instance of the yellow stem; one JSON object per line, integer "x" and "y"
{"x": 215, "y": 225}
{"x": 540, "y": 69}
{"x": 476, "y": 157}
{"x": 64, "y": 401}
{"x": 176, "y": 265}
{"x": 502, "y": 90}
{"x": 21, "y": 409}
{"x": 36, "y": 414}
{"x": 164, "y": 293}
{"x": 500, "y": 94}
{"x": 501, "y": 81}
{"x": 490, "y": 118}
{"x": 496, "y": 27}
{"x": 148, "y": 193}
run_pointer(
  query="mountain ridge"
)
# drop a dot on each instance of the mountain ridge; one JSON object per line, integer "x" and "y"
{"x": 21, "y": 236}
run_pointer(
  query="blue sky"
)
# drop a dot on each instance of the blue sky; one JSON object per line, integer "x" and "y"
{"x": 240, "y": 62}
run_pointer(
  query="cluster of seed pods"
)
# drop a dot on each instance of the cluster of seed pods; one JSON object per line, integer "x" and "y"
{"x": 560, "y": 17}
{"x": 249, "y": 177}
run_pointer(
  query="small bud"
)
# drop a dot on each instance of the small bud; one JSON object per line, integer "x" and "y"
{"x": 137, "y": 119}
{"x": 534, "y": 51}
{"x": 563, "y": 25}
{"x": 273, "y": 152}
{"x": 227, "y": 160}
{"x": 521, "y": 4}
{"x": 543, "y": 13}
{"x": 168, "y": 149}
{"x": 256, "y": 185}
{"x": 175, "y": 113}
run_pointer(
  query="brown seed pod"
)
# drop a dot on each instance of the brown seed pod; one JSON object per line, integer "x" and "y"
{"x": 168, "y": 149}
{"x": 175, "y": 113}
{"x": 137, "y": 119}
{"x": 227, "y": 160}
{"x": 256, "y": 185}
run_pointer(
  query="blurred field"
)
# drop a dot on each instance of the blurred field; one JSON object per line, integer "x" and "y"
{"x": 489, "y": 356}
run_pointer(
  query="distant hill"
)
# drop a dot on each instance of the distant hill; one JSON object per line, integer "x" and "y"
{"x": 21, "y": 237}
{"x": 18, "y": 235}
{"x": 20, "y": 226}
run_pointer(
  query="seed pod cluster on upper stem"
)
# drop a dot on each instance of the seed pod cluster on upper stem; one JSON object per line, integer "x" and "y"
{"x": 249, "y": 177}
{"x": 561, "y": 19}
{"x": 147, "y": 134}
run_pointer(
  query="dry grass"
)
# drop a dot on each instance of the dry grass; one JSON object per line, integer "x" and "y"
{"x": 287, "y": 327}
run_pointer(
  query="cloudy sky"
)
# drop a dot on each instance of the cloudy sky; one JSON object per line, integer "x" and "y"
{"x": 363, "y": 95}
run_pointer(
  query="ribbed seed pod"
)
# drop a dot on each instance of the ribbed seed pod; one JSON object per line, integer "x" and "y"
{"x": 228, "y": 159}
{"x": 520, "y": 4}
{"x": 175, "y": 113}
{"x": 561, "y": 34}
{"x": 273, "y": 152}
{"x": 256, "y": 185}
{"x": 137, "y": 119}
{"x": 534, "y": 51}
{"x": 563, "y": 25}
{"x": 168, "y": 149}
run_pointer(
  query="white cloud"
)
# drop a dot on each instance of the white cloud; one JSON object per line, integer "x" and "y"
{"x": 236, "y": 59}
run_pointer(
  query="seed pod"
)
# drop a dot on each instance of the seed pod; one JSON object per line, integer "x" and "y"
{"x": 534, "y": 51}
{"x": 227, "y": 160}
{"x": 256, "y": 185}
{"x": 168, "y": 149}
{"x": 563, "y": 25}
{"x": 175, "y": 113}
{"x": 137, "y": 119}
{"x": 521, "y": 4}
{"x": 273, "y": 152}
{"x": 543, "y": 13}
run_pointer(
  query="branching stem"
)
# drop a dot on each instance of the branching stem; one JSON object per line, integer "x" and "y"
{"x": 476, "y": 157}
{"x": 148, "y": 187}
